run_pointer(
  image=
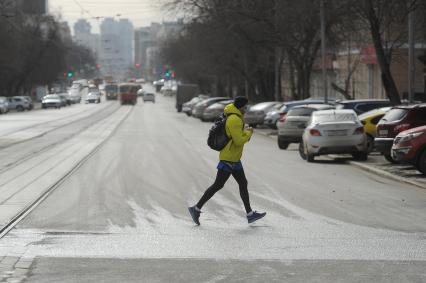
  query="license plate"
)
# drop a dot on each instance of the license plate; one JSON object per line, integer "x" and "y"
{"x": 383, "y": 132}
{"x": 336, "y": 133}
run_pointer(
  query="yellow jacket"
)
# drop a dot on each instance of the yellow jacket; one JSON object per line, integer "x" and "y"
{"x": 235, "y": 130}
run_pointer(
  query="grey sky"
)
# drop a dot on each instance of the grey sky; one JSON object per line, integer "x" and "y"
{"x": 140, "y": 12}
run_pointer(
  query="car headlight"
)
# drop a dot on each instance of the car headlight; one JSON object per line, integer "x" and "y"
{"x": 408, "y": 137}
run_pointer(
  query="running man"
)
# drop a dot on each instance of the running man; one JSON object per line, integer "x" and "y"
{"x": 230, "y": 161}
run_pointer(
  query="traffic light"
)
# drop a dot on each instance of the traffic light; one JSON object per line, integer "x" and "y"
{"x": 168, "y": 74}
{"x": 70, "y": 74}
{"x": 137, "y": 65}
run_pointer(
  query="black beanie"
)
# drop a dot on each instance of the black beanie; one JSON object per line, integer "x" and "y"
{"x": 240, "y": 101}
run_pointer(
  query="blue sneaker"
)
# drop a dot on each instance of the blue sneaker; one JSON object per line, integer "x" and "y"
{"x": 255, "y": 216}
{"x": 195, "y": 214}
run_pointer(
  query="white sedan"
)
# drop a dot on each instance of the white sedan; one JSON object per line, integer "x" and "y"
{"x": 93, "y": 97}
{"x": 334, "y": 132}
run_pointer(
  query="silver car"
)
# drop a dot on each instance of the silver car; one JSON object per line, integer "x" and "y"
{"x": 188, "y": 106}
{"x": 215, "y": 110}
{"x": 334, "y": 132}
{"x": 4, "y": 105}
{"x": 291, "y": 130}
{"x": 272, "y": 116}
{"x": 18, "y": 103}
{"x": 93, "y": 97}
{"x": 199, "y": 108}
{"x": 148, "y": 96}
{"x": 256, "y": 114}
{"x": 51, "y": 100}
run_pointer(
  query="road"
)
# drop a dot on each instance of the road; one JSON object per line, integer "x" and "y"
{"x": 121, "y": 216}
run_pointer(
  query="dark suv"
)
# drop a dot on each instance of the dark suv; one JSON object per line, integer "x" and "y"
{"x": 362, "y": 105}
{"x": 398, "y": 119}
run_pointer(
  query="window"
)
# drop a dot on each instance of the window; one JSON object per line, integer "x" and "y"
{"x": 304, "y": 111}
{"x": 376, "y": 120}
{"x": 418, "y": 115}
{"x": 395, "y": 114}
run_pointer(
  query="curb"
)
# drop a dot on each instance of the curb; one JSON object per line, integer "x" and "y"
{"x": 371, "y": 169}
{"x": 384, "y": 173}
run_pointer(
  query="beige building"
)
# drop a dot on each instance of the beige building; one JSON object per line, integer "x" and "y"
{"x": 360, "y": 65}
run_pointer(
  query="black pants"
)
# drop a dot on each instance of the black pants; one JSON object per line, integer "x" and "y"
{"x": 221, "y": 178}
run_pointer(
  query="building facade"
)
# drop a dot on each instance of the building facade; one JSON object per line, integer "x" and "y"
{"x": 116, "y": 47}
{"x": 83, "y": 35}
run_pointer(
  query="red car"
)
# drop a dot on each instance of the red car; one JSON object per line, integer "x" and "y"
{"x": 397, "y": 120}
{"x": 410, "y": 146}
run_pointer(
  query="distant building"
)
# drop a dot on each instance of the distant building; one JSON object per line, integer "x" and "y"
{"x": 116, "y": 46}
{"x": 148, "y": 41}
{"x": 83, "y": 35}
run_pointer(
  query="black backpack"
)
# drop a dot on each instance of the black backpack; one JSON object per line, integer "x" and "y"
{"x": 218, "y": 138}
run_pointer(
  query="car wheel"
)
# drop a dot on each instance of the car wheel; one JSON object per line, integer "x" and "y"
{"x": 421, "y": 163}
{"x": 282, "y": 144}
{"x": 389, "y": 158}
{"x": 310, "y": 157}
{"x": 360, "y": 156}
{"x": 370, "y": 143}
{"x": 302, "y": 151}
{"x": 19, "y": 108}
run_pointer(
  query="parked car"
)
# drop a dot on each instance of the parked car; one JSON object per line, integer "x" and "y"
{"x": 18, "y": 103}
{"x": 215, "y": 110}
{"x": 272, "y": 116}
{"x": 397, "y": 120}
{"x": 287, "y": 106}
{"x": 4, "y": 105}
{"x": 66, "y": 99}
{"x": 51, "y": 100}
{"x": 30, "y": 101}
{"x": 75, "y": 92}
{"x": 187, "y": 107}
{"x": 93, "y": 97}
{"x": 362, "y": 105}
{"x": 256, "y": 114}
{"x": 370, "y": 120}
{"x": 410, "y": 147}
{"x": 334, "y": 132}
{"x": 199, "y": 108}
{"x": 148, "y": 96}
{"x": 291, "y": 130}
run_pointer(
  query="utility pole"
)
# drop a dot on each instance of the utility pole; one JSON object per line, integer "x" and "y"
{"x": 323, "y": 51}
{"x": 277, "y": 57}
{"x": 411, "y": 64}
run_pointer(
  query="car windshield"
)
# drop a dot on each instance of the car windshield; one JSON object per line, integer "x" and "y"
{"x": 326, "y": 117}
{"x": 303, "y": 111}
{"x": 128, "y": 89}
{"x": 111, "y": 88}
{"x": 395, "y": 114}
{"x": 51, "y": 97}
{"x": 261, "y": 106}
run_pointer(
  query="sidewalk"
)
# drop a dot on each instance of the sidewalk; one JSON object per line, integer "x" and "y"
{"x": 376, "y": 164}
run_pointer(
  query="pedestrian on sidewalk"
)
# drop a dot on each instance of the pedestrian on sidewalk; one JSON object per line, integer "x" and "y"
{"x": 230, "y": 160}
